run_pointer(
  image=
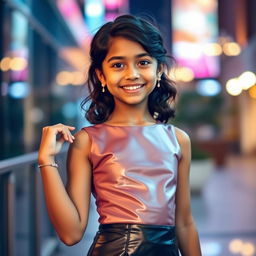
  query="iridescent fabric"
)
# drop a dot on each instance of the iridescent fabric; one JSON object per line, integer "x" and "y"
{"x": 134, "y": 173}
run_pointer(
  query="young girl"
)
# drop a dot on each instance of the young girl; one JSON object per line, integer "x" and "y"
{"x": 135, "y": 164}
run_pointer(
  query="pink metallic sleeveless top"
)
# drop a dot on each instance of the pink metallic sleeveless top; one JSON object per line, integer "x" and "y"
{"x": 134, "y": 173}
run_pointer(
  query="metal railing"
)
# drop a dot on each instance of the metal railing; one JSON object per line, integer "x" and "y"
{"x": 24, "y": 225}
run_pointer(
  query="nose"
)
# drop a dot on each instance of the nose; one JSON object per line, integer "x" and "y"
{"x": 132, "y": 73}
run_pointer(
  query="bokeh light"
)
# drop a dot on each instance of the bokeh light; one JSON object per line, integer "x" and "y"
{"x": 18, "y": 63}
{"x": 231, "y": 49}
{"x": 78, "y": 78}
{"x": 5, "y": 64}
{"x": 211, "y": 249}
{"x": 235, "y": 245}
{"x": 212, "y": 49}
{"x": 247, "y": 80}
{"x": 208, "y": 87}
{"x": 64, "y": 78}
{"x": 233, "y": 87}
{"x": 182, "y": 74}
{"x": 252, "y": 92}
{"x": 248, "y": 249}
{"x": 19, "y": 90}
{"x": 94, "y": 8}
{"x": 70, "y": 78}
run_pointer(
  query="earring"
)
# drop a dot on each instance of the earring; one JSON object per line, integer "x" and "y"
{"x": 155, "y": 115}
{"x": 158, "y": 81}
{"x": 103, "y": 88}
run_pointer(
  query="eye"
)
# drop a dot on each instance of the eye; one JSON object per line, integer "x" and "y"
{"x": 117, "y": 65}
{"x": 144, "y": 62}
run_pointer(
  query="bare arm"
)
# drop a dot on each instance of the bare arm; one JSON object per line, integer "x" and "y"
{"x": 187, "y": 236}
{"x": 68, "y": 208}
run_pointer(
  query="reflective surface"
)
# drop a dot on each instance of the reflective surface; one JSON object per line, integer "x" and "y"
{"x": 134, "y": 239}
{"x": 134, "y": 173}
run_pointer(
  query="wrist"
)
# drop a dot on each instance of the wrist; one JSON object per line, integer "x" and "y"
{"x": 46, "y": 160}
{"x": 55, "y": 165}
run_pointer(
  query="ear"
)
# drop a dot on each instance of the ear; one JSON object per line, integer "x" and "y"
{"x": 100, "y": 76}
{"x": 160, "y": 69}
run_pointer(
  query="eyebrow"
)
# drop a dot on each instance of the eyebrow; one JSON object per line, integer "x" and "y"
{"x": 122, "y": 57}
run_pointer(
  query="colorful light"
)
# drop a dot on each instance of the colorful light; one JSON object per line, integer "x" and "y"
{"x": 247, "y": 79}
{"x": 112, "y": 4}
{"x": 212, "y": 49}
{"x": 194, "y": 30}
{"x": 208, "y": 87}
{"x": 74, "y": 19}
{"x": 5, "y": 64}
{"x": 252, "y": 92}
{"x": 237, "y": 246}
{"x": 182, "y": 74}
{"x": 94, "y": 8}
{"x": 19, "y": 90}
{"x": 233, "y": 87}
{"x": 18, "y": 64}
{"x": 64, "y": 78}
{"x": 231, "y": 49}
{"x": 248, "y": 249}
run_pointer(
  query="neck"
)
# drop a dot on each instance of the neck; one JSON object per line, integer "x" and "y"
{"x": 131, "y": 115}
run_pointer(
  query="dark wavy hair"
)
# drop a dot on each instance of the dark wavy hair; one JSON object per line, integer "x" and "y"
{"x": 139, "y": 30}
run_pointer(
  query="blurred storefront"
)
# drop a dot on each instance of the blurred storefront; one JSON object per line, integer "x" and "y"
{"x": 214, "y": 44}
{"x": 43, "y": 62}
{"x": 239, "y": 72}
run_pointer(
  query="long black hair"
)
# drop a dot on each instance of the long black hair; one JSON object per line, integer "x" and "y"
{"x": 139, "y": 30}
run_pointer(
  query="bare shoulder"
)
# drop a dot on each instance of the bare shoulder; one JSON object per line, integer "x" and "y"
{"x": 82, "y": 141}
{"x": 182, "y": 137}
{"x": 82, "y": 136}
{"x": 184, "y": 142}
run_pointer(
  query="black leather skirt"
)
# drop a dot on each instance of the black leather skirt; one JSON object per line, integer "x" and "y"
{"x": 134, "y": 239}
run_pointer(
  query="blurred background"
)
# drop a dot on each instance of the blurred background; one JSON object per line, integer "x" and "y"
{"x": 44, "y": 49}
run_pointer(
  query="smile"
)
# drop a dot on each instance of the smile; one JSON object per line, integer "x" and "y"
{"x": 132, "y": 88}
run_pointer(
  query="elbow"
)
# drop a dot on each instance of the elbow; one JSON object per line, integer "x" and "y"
{"x": 70, "y": 240}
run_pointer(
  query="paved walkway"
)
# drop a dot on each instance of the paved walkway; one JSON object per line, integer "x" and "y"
{"x": 225, "y": 213}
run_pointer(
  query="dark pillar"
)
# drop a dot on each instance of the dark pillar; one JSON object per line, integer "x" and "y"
{"x": 251, "y": 18}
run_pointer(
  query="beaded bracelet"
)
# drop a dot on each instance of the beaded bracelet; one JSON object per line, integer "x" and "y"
{"x": 43, "y": 165}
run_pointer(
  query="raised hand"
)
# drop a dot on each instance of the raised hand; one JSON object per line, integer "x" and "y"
{"x": 52, "y": 140}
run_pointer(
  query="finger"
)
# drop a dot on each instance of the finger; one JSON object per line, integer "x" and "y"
{"x": 62, "y": 127}
{"x": 71, "y": 128}
{"x": 62, "y": 135}
{"x": 67, "y": 136}
{"x": 70, "y": 138}
{"x": 67, "y": 126}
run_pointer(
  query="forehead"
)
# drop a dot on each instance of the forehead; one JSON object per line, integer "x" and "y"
{"x": 123, "y": 47}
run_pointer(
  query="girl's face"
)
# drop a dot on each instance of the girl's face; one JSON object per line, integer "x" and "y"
{"x": 128, "y": 71}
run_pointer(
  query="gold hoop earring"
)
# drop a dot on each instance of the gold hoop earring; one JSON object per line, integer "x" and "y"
{"x": 103, "y": 88}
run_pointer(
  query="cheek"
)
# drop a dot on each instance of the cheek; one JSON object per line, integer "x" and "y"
{"x": 151, "y": 76}
{"x": 112, "y": 77}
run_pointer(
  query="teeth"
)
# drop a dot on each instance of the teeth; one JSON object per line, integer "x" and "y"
{"x": 132, "y": 87}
